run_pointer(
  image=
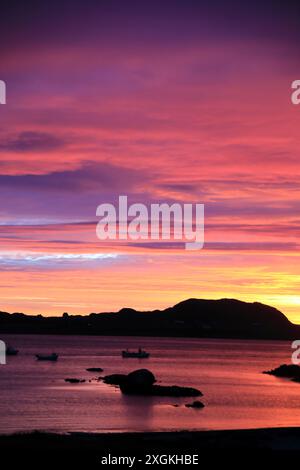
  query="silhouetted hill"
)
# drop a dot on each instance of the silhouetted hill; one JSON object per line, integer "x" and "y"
{"x": 224, "y": 318}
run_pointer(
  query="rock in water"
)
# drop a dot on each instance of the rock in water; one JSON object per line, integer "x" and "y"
{"x": 138, "y": 382}
{"x": 195, "y": 404}
{"x": 141, "y": 382}
{"x": 74, "y": 381}
{"x": 114, "y": 379}
{"x": 141, "y": 378}
{"x": 174, "y": 391}
{"x": 290, "y": 371}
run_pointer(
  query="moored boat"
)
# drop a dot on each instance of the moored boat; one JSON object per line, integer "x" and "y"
{"x": 140, "y": 354}
{"x": 47, "y": 357}
{"x": 10, "y": 351}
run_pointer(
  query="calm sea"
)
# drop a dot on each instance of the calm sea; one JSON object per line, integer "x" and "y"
{"x": 34, "y": 395}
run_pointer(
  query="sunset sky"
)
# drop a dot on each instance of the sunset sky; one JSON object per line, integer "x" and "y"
{"x": 170, "y": 101}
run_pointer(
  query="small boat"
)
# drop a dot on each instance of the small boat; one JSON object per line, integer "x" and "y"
{"x": 47, "y": 357}
{"x": 10, "y": 351}
{"x": 140, "y": 354}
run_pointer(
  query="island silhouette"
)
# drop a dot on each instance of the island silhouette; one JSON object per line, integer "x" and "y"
{"x": 223, "y": 318}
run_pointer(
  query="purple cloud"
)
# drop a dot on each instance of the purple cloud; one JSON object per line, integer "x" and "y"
{"x": 31, "y": 142}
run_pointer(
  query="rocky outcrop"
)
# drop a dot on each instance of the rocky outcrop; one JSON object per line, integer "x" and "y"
{"x": 114, "y": 379}
{"x": 290, "y": 371}
{"x": 142, "y": 382}
{"x": 74, "y": 381}
{"x": 139, "y": 381}
{"x": 196, "y": 404}
{"x": 174, "y": 391}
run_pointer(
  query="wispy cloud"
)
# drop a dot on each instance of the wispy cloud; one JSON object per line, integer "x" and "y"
{"x": 32, "y": 261}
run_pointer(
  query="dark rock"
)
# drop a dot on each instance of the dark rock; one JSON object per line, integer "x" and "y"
{"x": 74, "y": 381}
{"x": 141, "y": 378}
{"x": 174, "y": 391}
{"x": 195, "y": 404}
{"x": 290, "y": 371}
{"x": 114, "y": 379}
{"x": 94, "y": 369}
{"x": 138, "y": 382}
{"x": 141, "y": 382}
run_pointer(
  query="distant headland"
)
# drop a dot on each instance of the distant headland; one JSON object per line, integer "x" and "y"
{"x": 224, "y": 318}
